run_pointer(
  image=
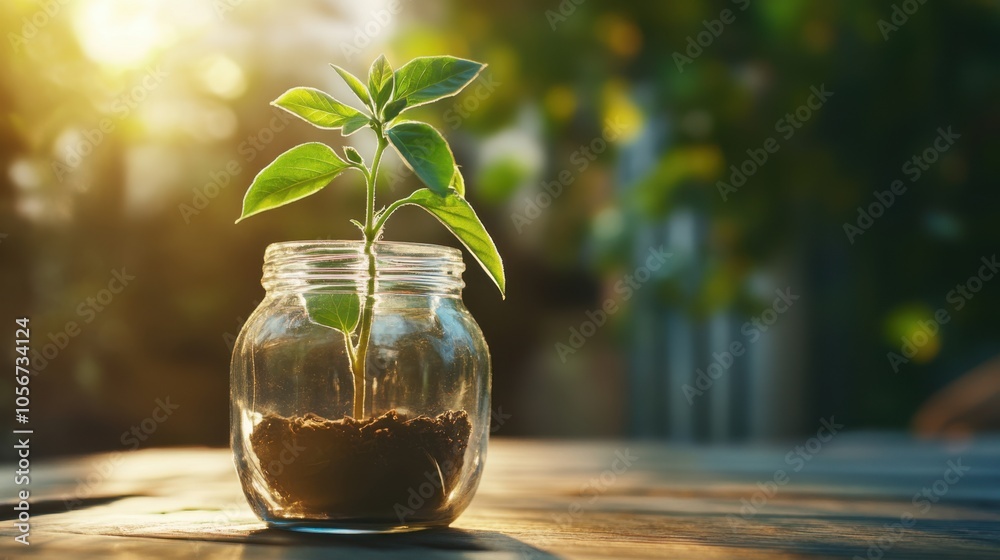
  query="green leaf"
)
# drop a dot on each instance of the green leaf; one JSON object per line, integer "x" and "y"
{"x": 353, "y": 156}
{"x": 355, "y": 84}
{"x": 293, "y": 175}
{"x": 426, "y": 79}
{"x": 320, "y": 109}
{"x": 355, "y": 126}
{"x": 426, "y": 152}
{"x": 458, "y": 182}
{"x": 381, "y": 82}
{"x": 337, "y": 311}
{"x": 458, "y": 216}
{"x": 393, "y": 109}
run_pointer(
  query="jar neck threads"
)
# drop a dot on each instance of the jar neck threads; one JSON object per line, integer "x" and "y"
{"x": 342, "y": 266}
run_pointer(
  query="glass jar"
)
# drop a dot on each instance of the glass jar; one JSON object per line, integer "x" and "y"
{"x": 415, "y": 459}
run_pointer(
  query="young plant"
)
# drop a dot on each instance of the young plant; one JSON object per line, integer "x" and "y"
{"x": 308, "y": 168}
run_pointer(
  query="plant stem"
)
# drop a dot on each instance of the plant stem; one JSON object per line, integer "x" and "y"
{"x": 384, "y": 215}
{"x": 367, "y": 314}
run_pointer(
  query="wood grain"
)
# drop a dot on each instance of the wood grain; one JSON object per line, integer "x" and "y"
{"x": 543, "y": 499}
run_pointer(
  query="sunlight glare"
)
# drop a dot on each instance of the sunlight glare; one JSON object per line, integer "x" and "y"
{"x": 223, "y": 77}
{"x": 121, "y": 33}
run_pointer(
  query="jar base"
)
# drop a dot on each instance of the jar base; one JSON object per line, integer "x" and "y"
{"x": 342, "y": 528}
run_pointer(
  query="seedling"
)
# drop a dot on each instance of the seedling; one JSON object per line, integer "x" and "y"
{"x": 308, "y": 168}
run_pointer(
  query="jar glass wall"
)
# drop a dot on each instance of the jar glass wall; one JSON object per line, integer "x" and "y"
{"x": 415, "y": 458}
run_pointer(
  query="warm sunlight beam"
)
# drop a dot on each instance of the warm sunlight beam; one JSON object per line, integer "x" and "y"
{"x": 121, "y": 33}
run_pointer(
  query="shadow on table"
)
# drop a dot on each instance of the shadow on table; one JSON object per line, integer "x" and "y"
{"x": 840, "y": 535}
{"x": 50, "y": 506}
{"x": 406, "y": 545}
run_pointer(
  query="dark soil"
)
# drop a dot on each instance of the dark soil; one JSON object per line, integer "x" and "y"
{"x": 384, "y": 469}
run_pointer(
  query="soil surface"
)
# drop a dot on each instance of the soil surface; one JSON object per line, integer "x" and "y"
{"x": 389, "y": 468}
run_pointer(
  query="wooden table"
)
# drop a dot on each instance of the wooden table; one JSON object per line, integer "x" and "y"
{"x": 666, "y": 501}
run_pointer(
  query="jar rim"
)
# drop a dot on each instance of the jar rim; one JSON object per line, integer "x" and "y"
{"x": 342, "y": 266}
{"x": 398, "y": 248}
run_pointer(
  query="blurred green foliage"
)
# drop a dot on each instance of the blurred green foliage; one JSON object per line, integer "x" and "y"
{"x": 552, "y": 93}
